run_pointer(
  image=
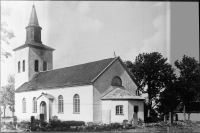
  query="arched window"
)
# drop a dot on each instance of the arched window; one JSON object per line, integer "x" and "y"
{"x": 136, "y": 108}
{"x": 24, "y": 105}
{"x": 36, "y": 65}
{"x": 23, "y": 65}
{"x": 19, "y": 67}
{"x": 34, "y": 105}
{"x": 116, "y": 81}
{"x": 60, "y": 104}
{"x": 44, "y": 66}
{"x": 76, "y": 103}
{"x": 119, "y": 110}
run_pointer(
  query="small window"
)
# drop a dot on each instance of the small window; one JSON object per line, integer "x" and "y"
{"x": 60, "y": 104}
{"x": 19, "y": 67}
{"x": 24, "y": 105}
{"x": 119, "y": 110}
{"x": 34, "y": 105}
{"x": 116, "y": 81}
{"x": 36, "y": 65}
{"x": 136, "y": 109}
{"x": 76, "y": 103}
{"x": 44, "y": 66}
{"x": 23, "y": 65}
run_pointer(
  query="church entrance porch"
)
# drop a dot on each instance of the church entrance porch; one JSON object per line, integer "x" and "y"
{"x": 45, "y": 106}
{"x": 43, "y": 110}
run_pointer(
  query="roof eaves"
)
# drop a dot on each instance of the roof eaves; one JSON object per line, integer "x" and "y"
{"x": 34, "y": 46}
{"x": 63, "y": 86}
{"x": 104, "y": 70}
{"x": 122, "y": 99}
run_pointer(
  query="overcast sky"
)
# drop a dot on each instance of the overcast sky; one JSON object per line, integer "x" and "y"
{"x": 88, "y": 31}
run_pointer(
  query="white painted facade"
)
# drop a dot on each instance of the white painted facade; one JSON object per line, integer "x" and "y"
{"x": 21, "y": 77}
{"x": 109, "y": 110}
{"x": 140, "y": 104}
{"x": 193, "y": 116}
{"x": 86, "y": 103}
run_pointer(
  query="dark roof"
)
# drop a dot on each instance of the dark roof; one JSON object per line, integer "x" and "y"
{"x": 83, "y": 74}
{"x": 193, "y": 107}
{"x": 120, "y": 93}
{"x": 34, "y": 45}
{"x": 33, "y": 19}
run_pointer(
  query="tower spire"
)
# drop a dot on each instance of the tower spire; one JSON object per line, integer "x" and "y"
{"x": 33, "y": 30}
{"x": 33, "y": 19}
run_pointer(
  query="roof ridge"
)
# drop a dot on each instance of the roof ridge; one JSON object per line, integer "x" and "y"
{"x": 76, "y": 65}
{"x": 114, "y": 59}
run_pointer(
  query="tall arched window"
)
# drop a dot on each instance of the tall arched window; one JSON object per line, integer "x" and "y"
{"x": 76, "y": 103}
{"x": 23, "y": 65}
{"x": 44, "y": 66}
{"x": 116, "y": 81}
{"x": 24, "y": 105}
{"x": 60, "y": 104}
{"x": 36, "y": 65}
{"x": 19, "y": 67}
{"x": 34, "y": 105}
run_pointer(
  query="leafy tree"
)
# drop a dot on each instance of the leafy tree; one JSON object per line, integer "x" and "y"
{"x": 152, "y": 72}
{"x": 6, "y": 33}
{"x": 189, "y": 79}
{"x": 8, "y": 94}
{"x": 169, "y": 98}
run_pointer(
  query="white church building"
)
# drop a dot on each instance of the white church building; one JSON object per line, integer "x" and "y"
{"x": 100, "y": 91}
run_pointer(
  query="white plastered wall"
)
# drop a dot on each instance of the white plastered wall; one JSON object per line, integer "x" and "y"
{"x": 21, "y": 77}
{"x": 111, "y": 105}
{"x": 86, "y": 103}
{"x": 140, "y": 104}
{"x": 193, "y": 116}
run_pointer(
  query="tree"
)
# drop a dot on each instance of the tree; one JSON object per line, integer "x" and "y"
{"x": 8, "y": 94}
{"x": 152, "y": 72}
{"x": 169, "y": 98}
{"x": 189, "y": 79}
{"x": 6, "y": 33}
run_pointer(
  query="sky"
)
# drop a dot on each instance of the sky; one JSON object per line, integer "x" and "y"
{"x": 88, "y": 31}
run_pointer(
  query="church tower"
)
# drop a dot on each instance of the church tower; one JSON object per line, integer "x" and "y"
{"x": 33, "y": 56}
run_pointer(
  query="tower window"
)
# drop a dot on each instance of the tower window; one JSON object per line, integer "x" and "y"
{"x": 116, "y": 81}
{"x": 23, "y": 65}
{"x": 36, "y": 65}
{"x": 44, "y": 66}
{"x": 19, "y": 67}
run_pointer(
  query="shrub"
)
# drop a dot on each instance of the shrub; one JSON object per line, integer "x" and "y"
{"x": 73, "y": 123}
